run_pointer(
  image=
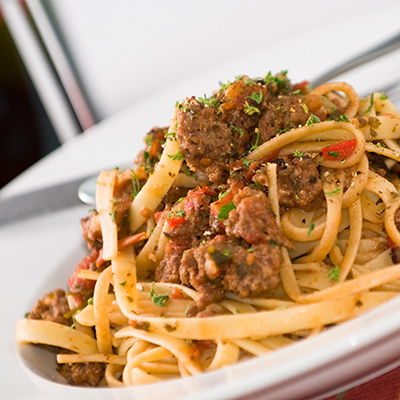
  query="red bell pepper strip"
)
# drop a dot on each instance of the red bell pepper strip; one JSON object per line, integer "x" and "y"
{"x": 339, "y": 151}
{"x": 122, "y": 245}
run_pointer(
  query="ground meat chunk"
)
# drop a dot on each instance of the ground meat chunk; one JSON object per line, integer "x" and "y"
{"x": 253, "y": 220}
{"x": 283, "y": 113}
{"x": 299, "y": 184}
{"x": 82, "y": 374}
{"x": 52, "y": 307}
{"x": 168, "y": 269}
{"x": 187, "y": 221}
{"x": 91, "y": 231}
{"x": 205, "y": 141}
{"x": 228, "y": 264}
{"x": 148, "y": 157}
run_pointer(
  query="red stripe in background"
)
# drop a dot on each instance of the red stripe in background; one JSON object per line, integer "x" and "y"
{"x": 385, "y": 387}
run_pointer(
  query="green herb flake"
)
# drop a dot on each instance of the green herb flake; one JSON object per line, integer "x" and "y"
{"x": 257, "y": 97}
{"x": 160, "y": 300}
{"x": 298, "y": 91}
{"x": 123, "y": 283}
{"x": 209, "y": 101}
{"x": 256, "y": 144}
{"x": 135, "y": 184}
{"x": 246, "y": 162}
{"x": 90, "y": 301}
{"x": 371, "y": 104}
{"x": 342, "y": 118}
{"x": 310, "y": 229}
{"x": 338, "y": 190}
{"x": 333, "y": 154}
{"x": 180, "y": 213}
{"x": 177, "y": 156}
{"x": 250, "y": 110}
{"x": 298, "y": 154}
{"x": 223, "y": 194}
{"x": 312, "y": 119}
{"x": 334, "y": 274}
{"x": 235, "y": 129}
{"x": 383, "y": 96}
{"x": 225, "y": 210}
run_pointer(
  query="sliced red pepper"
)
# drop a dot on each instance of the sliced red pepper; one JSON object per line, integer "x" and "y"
{"x": 339, "y": 151}
{"x": 122, "y": 245}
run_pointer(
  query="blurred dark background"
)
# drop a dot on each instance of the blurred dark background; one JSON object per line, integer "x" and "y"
{"x": 25, "y": 132}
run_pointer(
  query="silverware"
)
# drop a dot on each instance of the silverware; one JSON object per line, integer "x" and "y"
{"x": 41, "y": 201}
{"x": 380, "y": 50}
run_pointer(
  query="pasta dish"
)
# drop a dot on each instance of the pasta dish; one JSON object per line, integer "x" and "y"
{"x": 263, "y": 215}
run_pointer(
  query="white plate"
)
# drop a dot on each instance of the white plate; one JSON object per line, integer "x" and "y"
{"x": 344, "y": 356}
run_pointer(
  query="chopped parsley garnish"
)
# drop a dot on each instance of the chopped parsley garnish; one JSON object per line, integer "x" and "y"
{"x": 94, "y": 210}
{"x": 342, "y": 118}
{"x": 225, "y": 210}
{"x": 209, "y": 101}
{"x": 74, "y": 319}
{"x": 371, "y": 104}
{"x": 180, "y": 213}
{"x": 312, "y": 119}
{"x": 250, "y": 110}
{"x": 177, "y": 156}
{"x": 135, "y": 184}
{"x": 250, "y": 82}
{"x": 334, "y": 274}
{"x": 223, "y": 194}
{"x": 256, "y": 144}
{"x": 310, "y": 229}
{"x": 333, "y": 154}
{"x": 280, "y": 131}
{"x": 235, "y": 129}
{"x": 226, "y": 252}
{"x": 298, "y": 91}
{"x": 158, "y": 299}
{"x": 383, "y": 96}
{"x": 338, "y": 190}
{"x": 168, "y": 134}
{"x": 123, "y": 283}
{"x": 298, "y": 154}
{"x": 246, "y": 162}
{"x": 149, "y": 140}
{"x": 257, "y": 97}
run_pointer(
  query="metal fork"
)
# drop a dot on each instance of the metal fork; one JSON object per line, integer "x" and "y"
{"x": 380, "y": 50}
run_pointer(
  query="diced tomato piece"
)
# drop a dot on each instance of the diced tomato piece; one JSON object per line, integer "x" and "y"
{"x": 303, "y": 86}
{"x": 175, "y": 222}
{"x": 79, "y": 285}
{"x": 216, "y": 205}
{"x": 339, "y": 151}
